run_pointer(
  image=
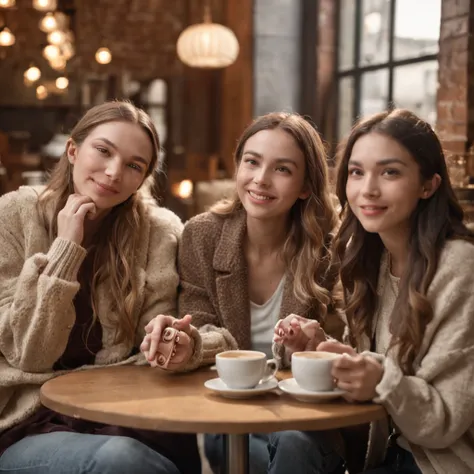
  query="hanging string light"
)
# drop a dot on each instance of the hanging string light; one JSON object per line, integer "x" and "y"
{"x": 67, "y": 50}
{"x": 58, "y": 64}
{"x": 103, "y": 55}
{"x": 41, "y": 92}
{"x": 51, "y": 52}
{"x": 32, "y": 74}
{"x": 7, "y": 3}
{"x": 62, "y": 83}
{"x": 53, "y": 21}
{"x": 45, "y": 5}
{"x": 57, "y": 37}
{"x": 7, "y": 38}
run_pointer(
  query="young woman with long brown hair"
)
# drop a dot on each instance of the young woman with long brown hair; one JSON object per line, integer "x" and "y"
{"x": 264, "y": 254}
{"x": 86, "y": 263}
{"x": 406, "y": 261}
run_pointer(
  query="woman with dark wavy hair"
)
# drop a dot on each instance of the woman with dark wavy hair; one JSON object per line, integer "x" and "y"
{"x": 406, "y": 266}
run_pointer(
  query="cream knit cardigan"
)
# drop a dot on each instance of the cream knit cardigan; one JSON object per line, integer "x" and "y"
{"x": 38, "y": 282}
{"x": 434, "y": 408}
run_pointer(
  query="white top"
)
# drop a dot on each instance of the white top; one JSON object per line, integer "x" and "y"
{"x": 263, "y": 319}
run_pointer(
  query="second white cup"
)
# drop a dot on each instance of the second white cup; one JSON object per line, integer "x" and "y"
{"x": 312, "y": 370}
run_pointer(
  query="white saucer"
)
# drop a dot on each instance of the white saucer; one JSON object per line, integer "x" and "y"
{"x": 290, "y": 387}
{"x": 218, "y": 386}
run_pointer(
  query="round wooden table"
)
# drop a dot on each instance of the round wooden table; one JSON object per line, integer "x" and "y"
{"x": 146, "y": 398}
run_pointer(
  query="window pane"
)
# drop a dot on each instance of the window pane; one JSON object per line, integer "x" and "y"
{"x": 346, "y": 34}
{"x": 158, "y": 117}
{"x": 346, "y": 106}
{"x": 374, "y": 31}
{"x": 415, "y": 87}
{"x": 374, "y": 92}
{"x": 156, "y": 93}
{"x": 417, "y": 25}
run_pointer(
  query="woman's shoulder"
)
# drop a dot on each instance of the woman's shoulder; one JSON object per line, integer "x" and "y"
{"x": 20, "y": 203}
{"x": 206, "y": 225}
{"x": 455, "y": 269}
{"x": 457, "y": 254}
{"x": 163, "y": 219}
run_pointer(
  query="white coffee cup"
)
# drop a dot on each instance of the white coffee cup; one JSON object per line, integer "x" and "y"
{"x": 312, "y": 370}
{"x": 244, "y": 369}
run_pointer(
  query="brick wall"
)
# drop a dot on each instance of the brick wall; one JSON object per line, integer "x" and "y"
{"x": 456, "y": 82}
{"x": 142, "y": 35}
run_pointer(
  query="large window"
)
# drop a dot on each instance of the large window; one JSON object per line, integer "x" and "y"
{"x": 387, "y": 57}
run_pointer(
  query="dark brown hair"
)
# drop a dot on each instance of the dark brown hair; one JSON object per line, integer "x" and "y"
{"x": 434, "y": 221}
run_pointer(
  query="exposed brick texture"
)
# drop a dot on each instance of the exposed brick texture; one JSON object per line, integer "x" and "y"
{"x": 456, "y": 85}
{"x": 142, "y": 35}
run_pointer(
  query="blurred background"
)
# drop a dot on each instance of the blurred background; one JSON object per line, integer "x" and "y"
{"x": 204, "y": 68}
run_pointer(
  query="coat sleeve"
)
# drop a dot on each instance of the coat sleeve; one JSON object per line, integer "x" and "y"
{"x": 36, "y": 295}
{"x": 195, "y": 259}
{"x": 161, "y": 275}
{"x": 435, "y": 407}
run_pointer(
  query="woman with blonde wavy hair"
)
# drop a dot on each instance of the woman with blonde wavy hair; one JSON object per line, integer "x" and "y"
{"x": 86, "y": 263}
{"x": 406, "y": 265}
{"x": 255, "y": 259}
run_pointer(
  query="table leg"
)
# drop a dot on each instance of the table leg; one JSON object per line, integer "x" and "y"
{"x": 237, "y": 453}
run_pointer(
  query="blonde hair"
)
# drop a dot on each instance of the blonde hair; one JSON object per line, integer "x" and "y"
{"x": 118, "y": 237}
{"x": 312, "y": 220}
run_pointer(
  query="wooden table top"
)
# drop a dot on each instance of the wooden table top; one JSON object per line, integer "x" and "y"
{"x": 146, "y": 398}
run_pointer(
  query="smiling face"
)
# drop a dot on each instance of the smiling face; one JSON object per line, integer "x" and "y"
{"x": 270, "y": 177}
{"x": 383, "y": 186}
{"x": 111, "y": 163}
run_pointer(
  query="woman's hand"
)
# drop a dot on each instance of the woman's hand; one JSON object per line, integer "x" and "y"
{"x": 184, "y": 343}
{"x": 337, "y": 347}
{"x": 358, "y": 375}
{"x": 71, "y": 217}
{"x": 298, "y": 334}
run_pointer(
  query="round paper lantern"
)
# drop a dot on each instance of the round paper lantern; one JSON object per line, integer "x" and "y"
{"x": 207, "y": 45}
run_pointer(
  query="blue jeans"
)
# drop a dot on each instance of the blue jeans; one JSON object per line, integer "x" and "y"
{"x": 397, "y": 461}
{"x": 284, "y": 452}
{"x": 258, "y": 453}
{"x": 303, "y": 452}
{"x": 76, "y": 453}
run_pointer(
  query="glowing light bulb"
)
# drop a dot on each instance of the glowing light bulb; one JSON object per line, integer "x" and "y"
{"x": 7, "y": 38}
{"x": 41, "y": 92}
{"x": 51, "y": 52}
{"x": 62, "y": 83}
{"x": 32, "y": 74}
{"x": 103, "y": 56}
{"x": 57, "y": 37}
{"x": 45, "y": 5}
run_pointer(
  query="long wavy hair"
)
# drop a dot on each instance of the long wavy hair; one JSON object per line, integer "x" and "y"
{"x": 434, "y": 221}
{"x": 116, "y": 241}
{"x": 312, "y": 221}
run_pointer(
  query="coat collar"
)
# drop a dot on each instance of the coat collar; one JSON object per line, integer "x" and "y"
{"x": 229, "y": 254}
{"x": 232, "y": 282}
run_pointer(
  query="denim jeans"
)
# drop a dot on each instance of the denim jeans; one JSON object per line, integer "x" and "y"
{"x": 397, "y": 461}
{"x": 76, "y": 453}
{"x": 303, "y": 452}
{"x": 258, "y": 453}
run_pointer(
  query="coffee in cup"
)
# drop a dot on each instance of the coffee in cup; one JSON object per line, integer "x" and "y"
{"x": 244, "y": 369}
{"x": 312, "y": 370}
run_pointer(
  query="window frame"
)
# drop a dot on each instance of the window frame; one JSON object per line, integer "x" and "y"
{"x": 357, "y": 71}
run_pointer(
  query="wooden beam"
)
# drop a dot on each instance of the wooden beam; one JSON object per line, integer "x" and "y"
{"x": 236, "y": 81}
